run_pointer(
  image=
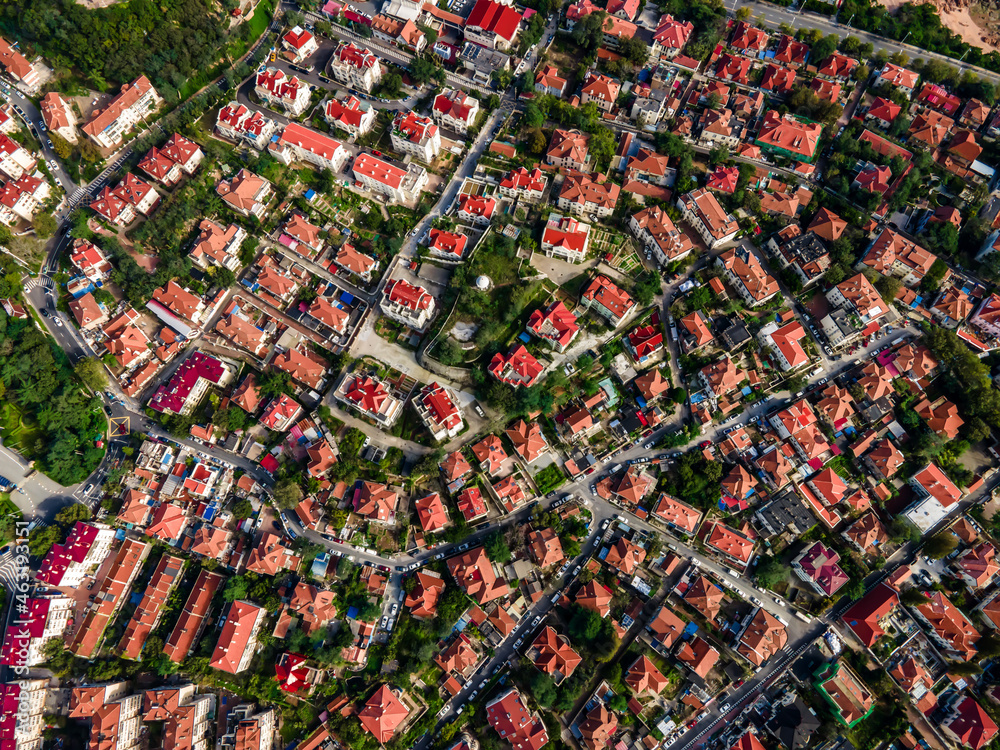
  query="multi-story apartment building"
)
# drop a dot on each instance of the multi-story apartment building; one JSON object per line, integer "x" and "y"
{"x": 702, "y": 210}
{"x": 528, "y": 186}
{"x": 402, "y": 186}
{"x": 238, "y": 123}
{"x": 351, "y": 115}
{"x": 355, "y": 67}
{"x": 299, "y": 143}
{"x": 744, "y": 271}
{"x": 59, "y": 116}
{"x": 588, "y": 195}
{"x": 133, "y": 104}
{"x": 657, "y": 232}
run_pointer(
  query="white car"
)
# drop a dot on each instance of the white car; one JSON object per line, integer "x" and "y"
{"x": 58, "y": 322}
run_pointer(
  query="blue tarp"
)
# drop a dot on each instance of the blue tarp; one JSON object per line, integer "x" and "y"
{"x": 690, "y": 629}
{"x": 347, "y": 298}
{"x": 745, "y": 390}
{"x": 697, "y": 398}
{"x": 524, "y": 337}
{"x": 120, "y": 535}
{"x": 352, "y": 613}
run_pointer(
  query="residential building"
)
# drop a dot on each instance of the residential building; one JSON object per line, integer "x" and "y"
{"x": 58, "y": 116}
{"x": 493, "y": 25}
{"x": 476, "y": 209}
{"x": 511, "y": 719}
{"x": 447, "y": 245}
{"x": 891, "y": 254}
{"x": 415, "y": 135}
{"x": 276, "y": 89}
{"x": 147, "y": 614}
{"x": 568, "y": 148}
{"x": 115, "y": 716}
{"x": 217, "y": 246}
{"x": 375, "y": 502}
{"x": 109, "y": 125}
{"x": 298, "y": 143}
{"x": 411, "y": 305}
{"x": 356, "y": 67}
{"x": 584, "y": 194}
{"x": 643, "y": 677}
{"x": 731, "y": 544}
{"x": 524, "y": 185}
{"x": 382, "y": 714}
{"x": 748, "y": 39}
{"x": 978, "y": 566}
{"x": 789, "y": 136}
{"x": 948, "y": 627}
{"x": 355, "y": 262}
{"x": 896, "y": 77}
{"x": 670, "y": 37}
{"x": 189, "y": 384}
{"x": 352, "y": 115}
{"x": 747, "y": 275}
{"x": 644, "y": 343}
{"x": 438, "y": 409}
{"x": 454, "y": 109}
{"x": 473, "y": 572}
{"x": 554, "y": 324}
{"x": 654, "y": 228}
{"x": 968, "y": 724}
{"x": 400, "y": 185}
{"x": 762, "y": 638}
{"x": 66, "y": 565}
{"x": 246, "y": 193}
{"x": 851, "y": 699}
{"x": 601, "y": 90}
{"x": 238, "y": 123}
{"x": 818, "y": 566}
{"x": 805, "y": 254}
{"x": 677, "y": 515}
{"x": 609, "y": 301}
{"x": 369, "y": 395}
{"x": 701, "y": 209}
{"x": 528, "y": 440}
{"x": 936, "y": 497}
{"x": 431, "y": 513}
{"x": 518, "y": 367}
{"x": 548, "y": 81}
{"x": 565, "y": 237}
{"x": 783, "y": 341}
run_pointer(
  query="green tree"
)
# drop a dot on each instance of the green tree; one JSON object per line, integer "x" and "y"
{"x": 237, "y": 587}
{"x": 287, "y": 493}
{"x": 914, "y": 597}
{"x": 770, "y": 571}
{"x": 44, "y": 224}
{"x": 940, "y": 545}
{"x": 40, "y": 540}
{"x": 496, "y": 547}
{"x": 91, "y": 371}
{"x": 543, "y": 689}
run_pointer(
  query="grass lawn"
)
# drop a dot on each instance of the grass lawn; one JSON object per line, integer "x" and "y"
{"x": 18, "y": 432}
{"x": 574, "y": 286}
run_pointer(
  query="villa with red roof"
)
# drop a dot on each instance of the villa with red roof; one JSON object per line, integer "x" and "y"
{"x": 891, "y": 254}
{"x": 299, "y": 43}
{"x": 416, "y": 135}
{"x": 554, "y": 324}
{"x": 453, "y": 108}
{"x": 528, "y": 440}
{"x": 948, "y": 626}
{"x": 439, "y": 411}
{"x": 423, "y": 598}
{"x": 789, "y": 136}
{"x": 490, "y": 454}
{"x": 246, "y": 193}
{"x": 677, "y": 515}
{"x": 473, "y": 571}
{"x": 818, "y": 566}
{"x": 936, "y": 497}
{"x": 352, "y": 115}
{"x": 375, "y": 502}
{"x": 645, "y": 343}
{"x": 551, "y": 652}
{"x": 968, "y": 724}
{"x": 431, "y": 512}
{"x": 409, "y": 304}
{"x": 518, "y": 367}
{"x": 723, "y": 179}
{"x": 528, "y": 186}
{"x": 658, "y": 233}
{"x": 189, "y": 384}
{"x": 783, "y": 341}
{"x": 565, "y": 237}
{"x": 748, "y": 39}
{"x": 66, "y": 565}
{"x": 275, "y": 88}
{"x": 733, "y": 545}
{"x": 643, "y": 677}
{"x": 237, "y": 123}
{"x": 470, "y": 502}
{"x": 355, "y": 262}
{"x": 609, "y": 301}
{"x": 670, "y": 37}
{"x": 476, "y": 209}
{"x": 493, "y": 25}
{"x": 545, "y": 548}
{"x": 516, "y": 725}
{"x": 869, "y": 617}
{"x": 590, "y": 195}
{"x": 382, "y": 714}
{"x": 447, "y": 245}
{"x": 548, "y": 81}
{"x": 894, "y": 76}
{"x": 381, "y": 176}
{"x": 568, "y": 148}
{"x": 281, "y": 413}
